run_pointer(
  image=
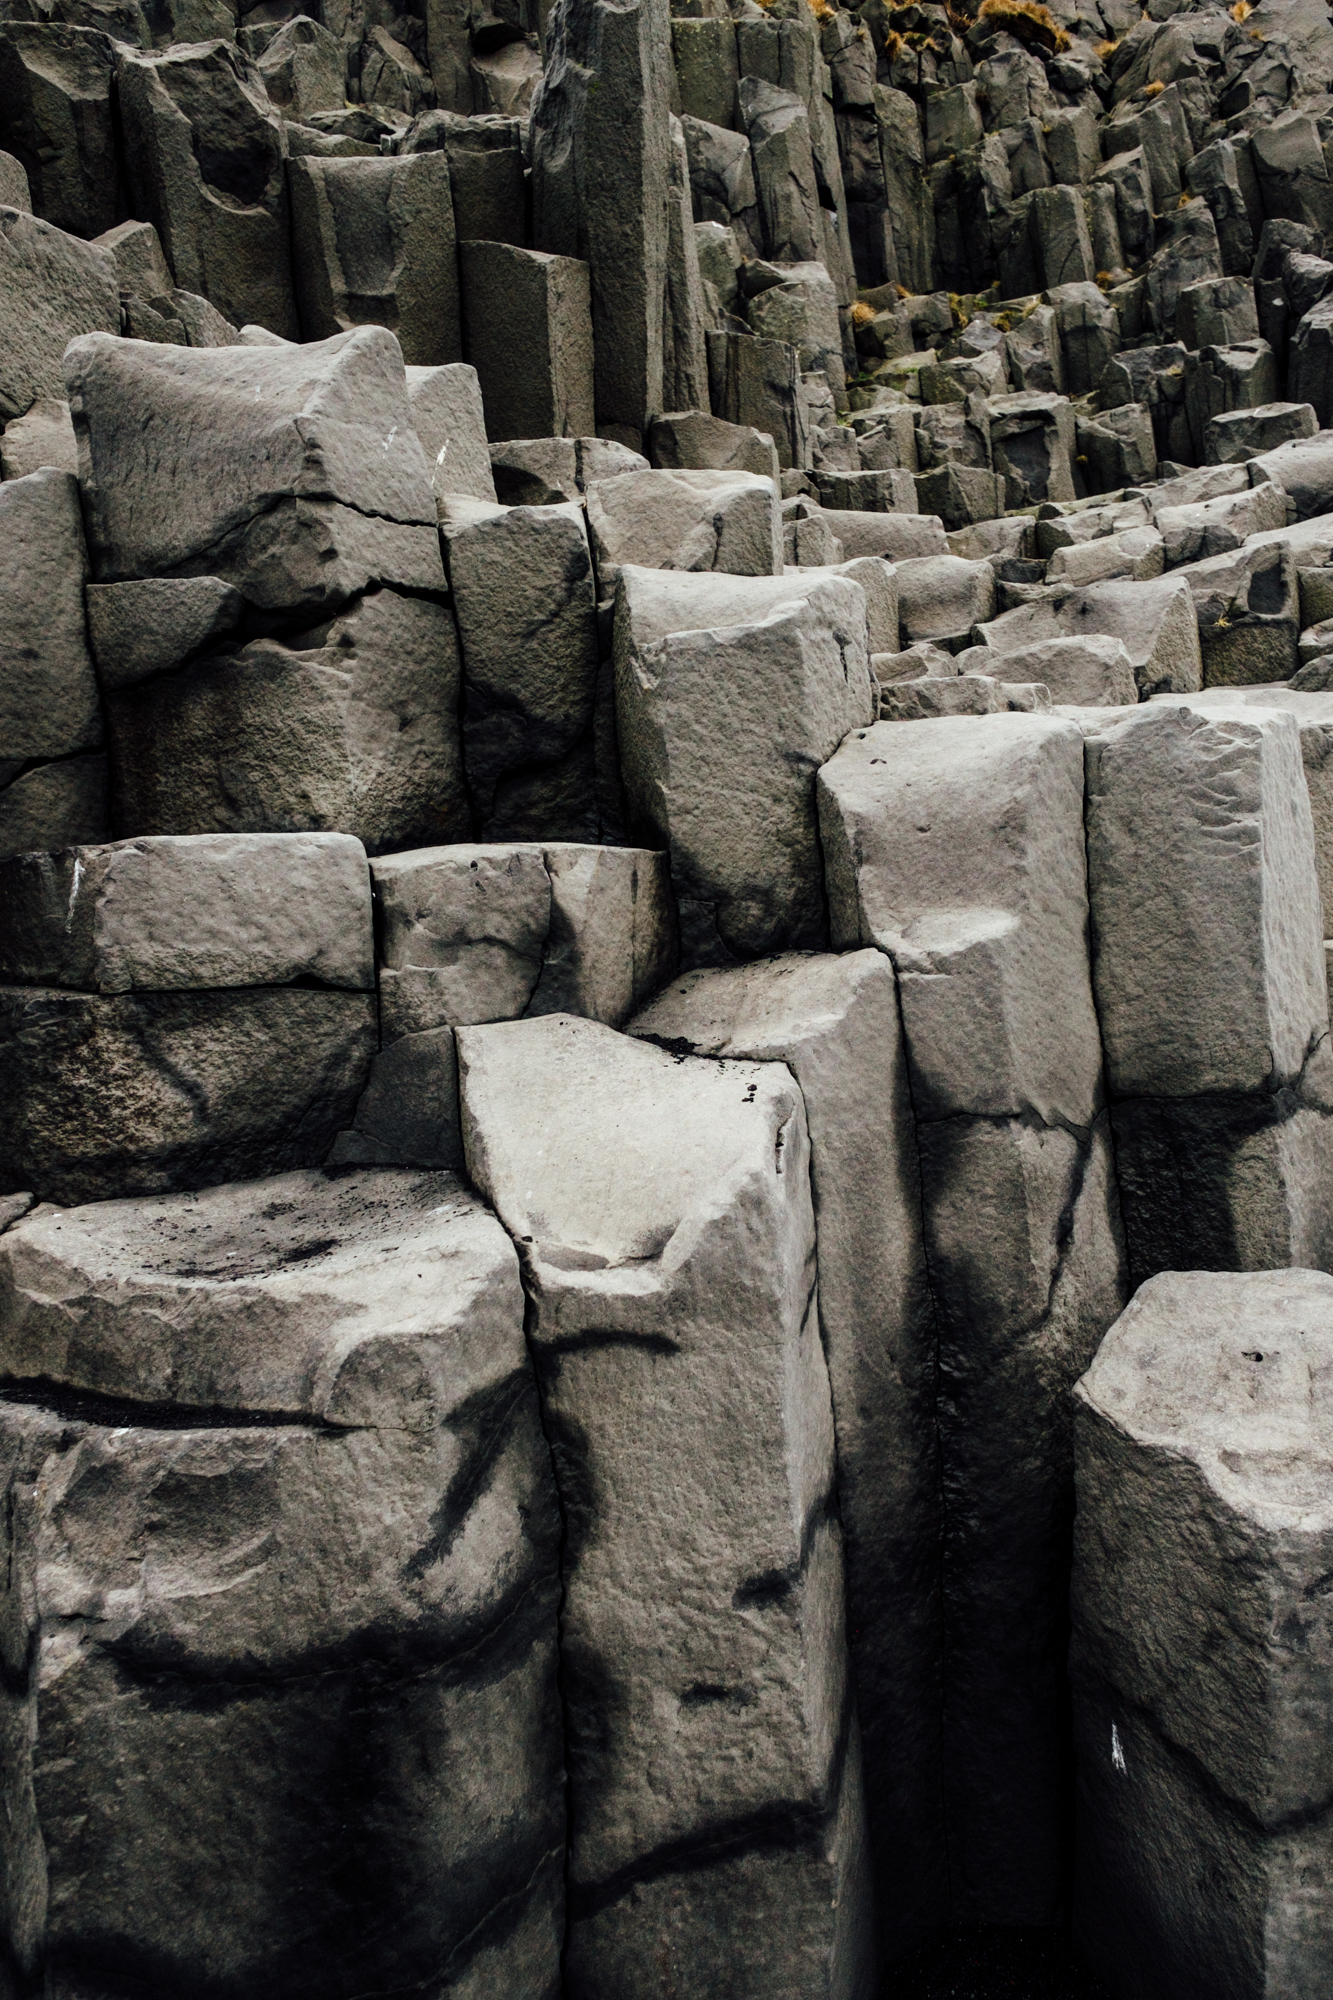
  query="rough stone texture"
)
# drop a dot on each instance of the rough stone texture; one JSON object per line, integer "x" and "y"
{"x": 687, "y": 440}
{"x": 601, "y": 175}
{"x": 721, "y": 732}
{"x": 671, "y": 1315}
{"x": 349, "y": 727}
{"x": 528, "y": 326}
{"x": 1211, "y": 989}
{"x": 1237, "y": 435}
{"x": 757, "y": 383}
{"x": 448, "y": 417}
{"x": 956, "y": 847}
{"x": 205, "y": 159}
{"x": 261, "y": 1591}
{"x": 52, "y": 289}
{"x": 685, "y": 520}
{"x": 55, "y": 805}
{"x": 1155, "y": 621}
{"x": 1248, "y": 610}
{"x": 522, "y": 585}
{"x": 834, "y": 1022}
{"x": 241, "y": 462}
{"x": 48, "y": 691}
{"x": 1201, "y": 1650}
{"x": 56, "y": 106}
{"x": 373, "y": 245}
{"x": 43, "y": 435}
{"x": 140, "y": 629}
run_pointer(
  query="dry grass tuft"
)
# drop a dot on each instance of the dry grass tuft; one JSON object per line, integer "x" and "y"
{"x": 822, "y": 11}
{"x": 1028, "y": 22}
{"x": 903, "y": 292}
{"x": 862, "y": 314}
{"x": 1241, "y": 11}
{"x": 1153, "y": 89}
{"x": 1103, "y": 281}
{"x": 1105, "y": 50}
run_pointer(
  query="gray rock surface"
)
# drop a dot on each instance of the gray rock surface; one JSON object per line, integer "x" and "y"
{"x": 53, "y": 288}
{"x": 373, "y": 245}
{"x": 1201, "y": 1652}
{"x": 528, "y": 328}
{"x": 670, "y": 1271}
{"x": 321, "y": 1560}
{"x": 693, "y": 520}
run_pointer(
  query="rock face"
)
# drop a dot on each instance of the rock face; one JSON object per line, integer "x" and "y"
{"x": 833, "y": 1021}
{"x": 955, "y": 846}
{"x": 733, "y": 1714}
{"x": 1199, "y": 830}
{"x": 1201, "y": 1650}
{"x": 320, "y": 1564}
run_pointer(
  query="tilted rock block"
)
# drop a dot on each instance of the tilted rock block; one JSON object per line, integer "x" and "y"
{"x": 834, "y": 1022}
{"x": 55, "y": 101}
{"x": 933, "y": 695}
{"x": 522, "y": 585}
{"x": 1215, "y": 173}
{"x": 448, "y": 417}
{"x": 473, "y": 934}
{"x": 1132, "y": 552}
{"x": 1217, "y": 312}
{"x": 1201, "y": 1652}
{"x": 956, "y": 847}
{"x": 284, "y": 1581}
{"x": 216, "y": 910}
{"x": 304, "y": 69}
{"x": 1234, "y": 436}
{"x": 784, "y": 171}
{"x": 960, "y": 495}
{"x": 1248, "y": 610}
{"x": 543, "y": 472}
{"x": 1088, "y": 672}
{"x": 485, "y": 156}
{"x": 667, "y": 1236}
{"x": 895, "y": 537}
{"x": 528, "y": 329}
{"x": 1119, "y": 448}
{"x": 1089, "y": 334}
{"x": 1154, "y": 377}
{"x": 205, "y": 157}
{"x": 685, "y": 520}
{"x": 351, "y": 727}
{"x": 890, "y": 491}
{"x": 1154, "y": 620}
{"x": 66, "y": 802}
{"x": 1240, "y": 377}
{"x": 373, "y": 245}
{"x": 43, "y": 436}
{"x": 243, "y": 462}
{"x": 770, "y": 698}
{"x": 1293, "y": 173}
{"x": 692, "y": 440}
{"x": 53, "y": 288}
{"x": 1212, "y": 527}
{"x": 1189, "y": 254}
{"x": 663, "y": 601}
{"x": 1211, "y": 987}
{"x": 601, "y": 184}
{"x": 1304, "y": 471}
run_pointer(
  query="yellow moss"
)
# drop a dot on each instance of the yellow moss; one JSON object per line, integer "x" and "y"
{"x": 1256, "y": 34}
{"x": 1105, "y": 49}
{"x": 862, "y": 314}
{"x": 1241, "y": 11}
{"x": 1027, "y": 21}
{"x": 903, "y": 292}
{"x": 1185, "y": 199}
{"x": 821, "y": 10}
{"x": 1153, "y": 89}
{"x": 1104, "y": 280}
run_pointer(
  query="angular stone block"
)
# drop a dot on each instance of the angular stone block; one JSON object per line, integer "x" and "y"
{"x": 304, "y": 69}
{"x": 703, "y": 1665}
{"x": 1234, "y": 436}
{"x": 148, "y": 627}
{"x": 756, "y": 383}
{"x": 834, "y": 1022}
{"x": 48, "y": 691}
{"x": 219, "y": 461}
{"x": 373, "y": 245}
{"x": 1217, "y": 312}
{"x": 1032, "y": 442}
{"x": 522, "y": 585}
{"x": 728, "y": 521}
{"x": 56, "y": 106}
{"x": 942, "y": 597}
{"x": 1248, "y": 609}
{"x": 52, "y": 289}
{"x": 528, "y": 332}
{"x": 721, "y": 732}
{"x": 1211, "y": 988}
{"x": 956, "y": 847}
{"x": 43, "y": 436}
{"x": 213, "y": 910}
{"x": 55, "y": 805}
{"x": 1201, "y": 1651}
{"x": 1089, "y": 672}
{"x": 1240, "y": 377}
{"x": 1212, "y": 527}
{"x": 1154, "y": 620}
{"x": 692, "y": 440}
{"x": 317, "y": 1587}
{"x": 205, "y": 158}
{"x": 351, "y": 728}
{"x": 449, "y": 419}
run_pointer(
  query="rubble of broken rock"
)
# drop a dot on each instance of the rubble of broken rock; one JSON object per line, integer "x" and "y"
{"x": 666, "y": 1106}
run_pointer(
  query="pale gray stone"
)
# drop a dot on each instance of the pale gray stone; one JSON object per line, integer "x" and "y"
{"x": 528, "y": 326}
{"x": 373, "y": 245}
{"x": 699, "y": 520}
{"x": 1201, "y": 1650}
{"x": 366, "y": 1482}
{"x": 43, "y": 435}
{"x": 1155, "y": 621}
{"x": 448, "y": 417}
{"x": 687, "y": 1241}
{"x": 53, "y": 288}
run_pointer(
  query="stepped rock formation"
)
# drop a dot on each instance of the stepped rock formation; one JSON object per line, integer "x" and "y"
{"x": 666, "y": 864}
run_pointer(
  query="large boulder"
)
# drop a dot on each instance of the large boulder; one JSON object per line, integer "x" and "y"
{"x": 663, "y": 1211}
{"x": 726, "y": 521}
{"x": 833, "y": 1021}
{"x": 281, "y": 1610}
{"x": 956, "y": 847}
{"x": 53, "y": 288}
{"x": 373, "y": 245}
{"x": 1201, "y": 1642}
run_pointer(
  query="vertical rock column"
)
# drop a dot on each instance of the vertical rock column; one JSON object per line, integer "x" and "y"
{"x": 1203, "y": 1640}
{"x": 957, "y": 847}
{"x": 1211, "y": 987}
{"x": 663, "y": 1215}
{"x": 834, "y": 1022}
{"x": 602, "y": 189}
